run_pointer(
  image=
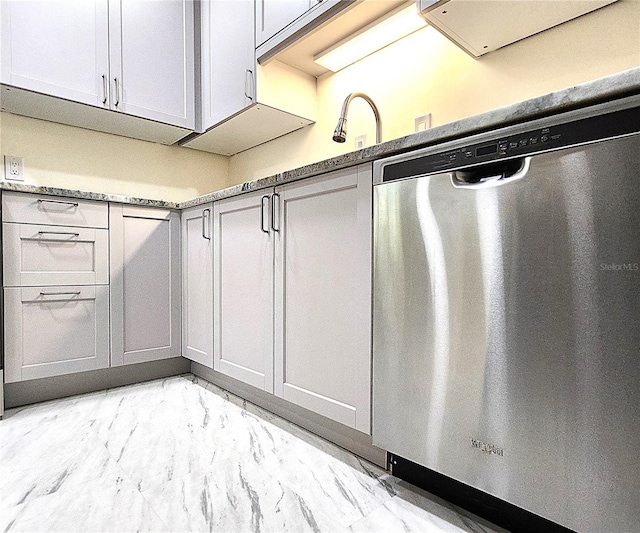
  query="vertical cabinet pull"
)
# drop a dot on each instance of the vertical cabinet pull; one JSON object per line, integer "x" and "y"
{"x": 117, "y": 102}
{"x": 248, "y": 87}
{"x": 273, "y": 211}
{"x": 104, "y": 89}
{"x": 205, "y": 224}
{"x": 262, "y": 204}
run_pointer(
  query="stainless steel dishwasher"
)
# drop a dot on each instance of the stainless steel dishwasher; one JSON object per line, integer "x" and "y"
{"x": 507, "y": 314}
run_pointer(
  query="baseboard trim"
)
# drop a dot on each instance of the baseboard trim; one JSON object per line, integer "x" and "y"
{"x": 344, "y": 436}
{"x": 45, "y": 389}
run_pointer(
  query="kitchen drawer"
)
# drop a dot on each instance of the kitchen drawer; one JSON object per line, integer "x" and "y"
{"x": 54, "y": 255}
{"x": 53, "y": 210}
{"x": 52, "y": 331}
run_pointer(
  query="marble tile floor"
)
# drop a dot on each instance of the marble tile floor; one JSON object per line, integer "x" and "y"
{"x": 181, "y": 455}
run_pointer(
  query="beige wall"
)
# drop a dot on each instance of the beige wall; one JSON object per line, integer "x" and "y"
{"x": 56, "y": 155}
{"x": 426, "y": 73}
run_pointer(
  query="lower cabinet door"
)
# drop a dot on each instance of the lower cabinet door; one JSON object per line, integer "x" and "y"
{"x": 323, "y": 296}
{"x": 243, "y": 289}
{"x": 50, "y": 331}
{"x": 197, "y": 284}
{"x": 145, "y": 284}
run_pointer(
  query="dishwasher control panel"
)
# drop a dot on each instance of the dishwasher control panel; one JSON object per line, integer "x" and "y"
{"x": 518, "y": 145}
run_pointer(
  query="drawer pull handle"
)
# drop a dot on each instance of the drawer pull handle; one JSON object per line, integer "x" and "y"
{"x": 74, "y": 204}
{"x": 58, "y": 233}
{"x": 68, "y": 293}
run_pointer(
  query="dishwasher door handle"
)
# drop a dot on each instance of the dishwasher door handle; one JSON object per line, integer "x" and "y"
{"x": 491, "y": 174}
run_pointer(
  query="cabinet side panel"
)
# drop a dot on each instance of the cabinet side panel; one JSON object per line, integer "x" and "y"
{"x": 116, "y": 264}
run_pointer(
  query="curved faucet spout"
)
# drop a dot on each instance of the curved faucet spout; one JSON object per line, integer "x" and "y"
{"x": 340, "y": 133}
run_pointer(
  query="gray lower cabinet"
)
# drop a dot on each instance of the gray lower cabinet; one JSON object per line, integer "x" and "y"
{"x": 197, "y": 284}
{"x": 323, "y": 295}
{"x": 243, "y": 289}
{"x": 55, "y": 330}
{"x": 292, "y": 293}
{"x": 56, "y": 292}
{"x": 145, "y": 284}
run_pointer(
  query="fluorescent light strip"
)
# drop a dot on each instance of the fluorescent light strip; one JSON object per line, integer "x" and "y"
{"x": 371, "y": 38}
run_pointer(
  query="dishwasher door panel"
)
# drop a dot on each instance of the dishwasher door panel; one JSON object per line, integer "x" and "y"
{"x": 507, "y": 332}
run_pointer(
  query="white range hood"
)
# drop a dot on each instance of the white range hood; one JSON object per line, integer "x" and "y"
{"x": 480, "y": 26}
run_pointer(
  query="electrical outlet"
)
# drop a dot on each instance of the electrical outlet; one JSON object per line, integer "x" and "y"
{"x": 422, "y": 123}
{"x": 13, "y": 168}
{"x": 361, "y": 141}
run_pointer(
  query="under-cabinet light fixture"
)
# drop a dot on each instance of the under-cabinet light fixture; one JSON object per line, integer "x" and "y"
{"x": 398, "y": 24}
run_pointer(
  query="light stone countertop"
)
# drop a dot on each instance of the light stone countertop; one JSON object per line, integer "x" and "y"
{"x": 84, "y": 195}
{"x": 586, "y": 94}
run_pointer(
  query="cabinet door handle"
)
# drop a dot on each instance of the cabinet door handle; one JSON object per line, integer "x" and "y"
{"x": 58, "y": 233}
{"x": 63, "y": 293}
{"x": 248, "y": 92}
{"x": 41, "y": 201}
{"x": 265, "y": 197}
{"x": 205, "y": 223}
{"x": 117, "y": 102}
{"x": 273, "y": 211}
{"x": 104, "y": 89}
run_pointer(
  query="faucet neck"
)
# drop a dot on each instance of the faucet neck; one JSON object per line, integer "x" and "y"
{"x": 376, "y": 113}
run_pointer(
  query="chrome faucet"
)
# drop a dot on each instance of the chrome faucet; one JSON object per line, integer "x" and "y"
{"x": 340, "y": 133}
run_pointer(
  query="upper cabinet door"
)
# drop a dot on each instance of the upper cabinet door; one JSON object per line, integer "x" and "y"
{"x": 57, "y": 47}
{"x": 152, "y": 59}
{"x": 228, "y": 59}
{"x": 274, "y": 15}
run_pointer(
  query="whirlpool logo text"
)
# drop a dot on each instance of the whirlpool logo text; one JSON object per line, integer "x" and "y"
{"x": 489, "y": 449}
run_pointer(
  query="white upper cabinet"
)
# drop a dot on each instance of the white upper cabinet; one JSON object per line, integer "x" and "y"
{"x": 481, "y": 26}
{"x": 242, "y": 105}
{"x": 152, "y": 59}
{"x": 228, "y": 59}
{"x": 274, "y": 15}
{"x": 57, "y": 47}
{"x": 135, "y": 57}
{"x": 282, "y": 23}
